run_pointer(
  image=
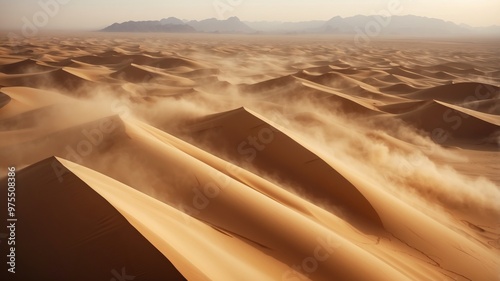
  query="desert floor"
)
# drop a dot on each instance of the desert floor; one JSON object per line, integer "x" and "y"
{"x": 218, "y": 157}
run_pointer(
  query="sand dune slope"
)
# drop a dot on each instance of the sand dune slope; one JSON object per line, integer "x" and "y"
{"x": 94, "y": 241}
{"x": 458, "y": 93}
{"x": 248, "y": 136}
{"x": 458, "y": 123}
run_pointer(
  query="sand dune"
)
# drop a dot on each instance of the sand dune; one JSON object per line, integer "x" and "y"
{"x": 60, "y": 78}
{"x": 178, "y": 62}
{"x": 4, "y": 99}
{"x": 399, "y": 89}
{"x": 24, "y": 66}
{"x": 305, "y": 169}
{"x": 461, "y": 123}
{"x": 490, "y": 106}
{"x": 95, "y": 239}
{"x": 141, "y": 74}
{"x": 134, "y": 73}
{"x": 457, "y": 93}
{"x": 268, "y": 85}
{"x": 215, "y": 157}
{"x": 403, "y": 107}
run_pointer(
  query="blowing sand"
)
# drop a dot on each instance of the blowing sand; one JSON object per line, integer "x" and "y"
{"x": 202, "y": 157}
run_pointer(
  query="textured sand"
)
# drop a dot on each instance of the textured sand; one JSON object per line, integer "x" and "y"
{"x": 210, "y": 157}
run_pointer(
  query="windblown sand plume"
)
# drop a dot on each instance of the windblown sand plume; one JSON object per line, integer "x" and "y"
{"x": 230, "y": 157}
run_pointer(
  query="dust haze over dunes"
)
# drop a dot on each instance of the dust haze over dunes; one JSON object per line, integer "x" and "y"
{"x": 231, "y": 157}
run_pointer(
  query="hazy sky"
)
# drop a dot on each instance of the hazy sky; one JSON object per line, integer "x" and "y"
{"x": 96, "y": 14}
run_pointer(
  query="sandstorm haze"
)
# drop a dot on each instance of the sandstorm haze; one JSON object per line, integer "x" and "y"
{"x": 250, "y": 140}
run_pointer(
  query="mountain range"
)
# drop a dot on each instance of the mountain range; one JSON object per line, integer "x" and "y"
{"x": 408, "y": 25}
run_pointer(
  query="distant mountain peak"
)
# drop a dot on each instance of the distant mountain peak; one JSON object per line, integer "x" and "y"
{"x": 164, "y": 25}
{"x": 335, "y": 18}
{"x": 171, "y": 20}
{"x": 404, "y": 25}
{"x": 230, "y": 25}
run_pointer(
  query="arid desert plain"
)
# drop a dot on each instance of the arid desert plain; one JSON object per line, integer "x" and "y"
{"x": 250, "y": 157}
